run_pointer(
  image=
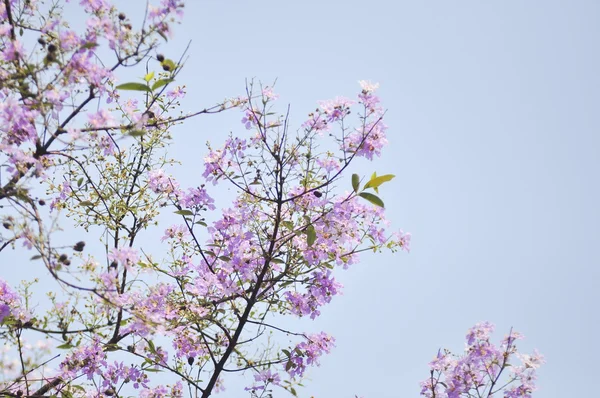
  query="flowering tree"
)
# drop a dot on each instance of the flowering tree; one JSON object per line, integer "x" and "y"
{"x": 118, "y": 310}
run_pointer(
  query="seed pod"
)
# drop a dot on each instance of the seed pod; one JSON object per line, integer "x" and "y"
{"x": 79, "y": 246}
{"x": 317, "y": 194}
{"x": 160, "y": 57}
{"x": 191, "y": 360}
{"x": 52, "y": 48}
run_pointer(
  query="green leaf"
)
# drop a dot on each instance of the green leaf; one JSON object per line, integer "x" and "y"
{"x": 152, "y": 370}
{"x": 277, "y": 261}
{"x": 311, "y": 235}
{"x": 149, "y": 77}
{"x": 79, "y": 182}
{"x": 85, "y": 203}
{"x": 355, "y": 182}
{"x": 89, "y": 45}
{"x": 151, "y": 347}
{"x": 66, "y": 394}
{"x": 184, "y": 212}
{"x": 133, "y": 87}
{"x": 36, "y": 257}
{"x": 136, "y": 133}
{"x": 288, "y": 224}
{"x": 225, "y": 258}
{"x": 288, "y": 365}
{"x": 286, "y": 352}
{"x": 160, "y": 83}
{"x": 65, "y": 346}
{"x": 293, "y": 391}
{"x": 377, "y": 181}
{"x": 372, "y": 198}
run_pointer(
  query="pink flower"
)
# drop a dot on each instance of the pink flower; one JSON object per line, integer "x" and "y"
{"x": 367, "y": 86}
{"x": 13, "y": 49}
{"x": 102, "y": 118}
{"x": 126, "y": 256}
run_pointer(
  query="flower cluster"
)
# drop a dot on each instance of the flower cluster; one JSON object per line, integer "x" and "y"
{"x": 308, "y": 353}
{"x": 478, "y": 372}
{"x": 319, "y": 293}
{"x": 126, "y": 256}
{"x": 10, "y": 304}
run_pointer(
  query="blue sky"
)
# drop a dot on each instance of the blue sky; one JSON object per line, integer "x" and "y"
{"x": 493, "y": 116}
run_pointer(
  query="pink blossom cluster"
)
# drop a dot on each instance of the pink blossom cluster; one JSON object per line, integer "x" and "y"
{"x": 91, "y": 360}
{"x": 308, "y": 353}
{"x": 319, "y": 293}
{"x": 263, "y": 379}
{"x": 479, "y": 371}
{"x": 126, "y": 256}
{"x": 226, "y": 159}
{"x": 11, "y": 305}
{"x": 194, "y": 198}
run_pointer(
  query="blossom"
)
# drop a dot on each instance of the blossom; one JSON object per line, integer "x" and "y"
{"x": 480, "y": 367}
{"x": 196, "y": 198}
{"x": 13, "y": 49}
{"x": 160, "y": 182}
{"x": 368, "y": 86}
{"x": 336, "y": 109}
{"x": 126, "y": 256}
{"x": 10, "y": 304}
{"x": 312, "y": 349}
{"x": 178, "y": 92}
{"x": 102, "y": 118}
{"x": 175, "y": 232}
{"x": 403, "y": 240}
{"x": 251, "y": 118}
{"x": 269, "y": 94}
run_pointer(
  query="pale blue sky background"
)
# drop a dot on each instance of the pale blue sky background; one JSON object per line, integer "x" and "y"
{"x": 493, "y": 115}
{"x": 494, "y": 135}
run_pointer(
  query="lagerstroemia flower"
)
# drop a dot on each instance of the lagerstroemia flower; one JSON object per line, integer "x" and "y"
{"x": 10, "y": 304}
{"x": 160, "y": 182}
{"x": 312, "y": 349}
{"x": 126, "y": 256}
{"x": 478, "y": 371}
